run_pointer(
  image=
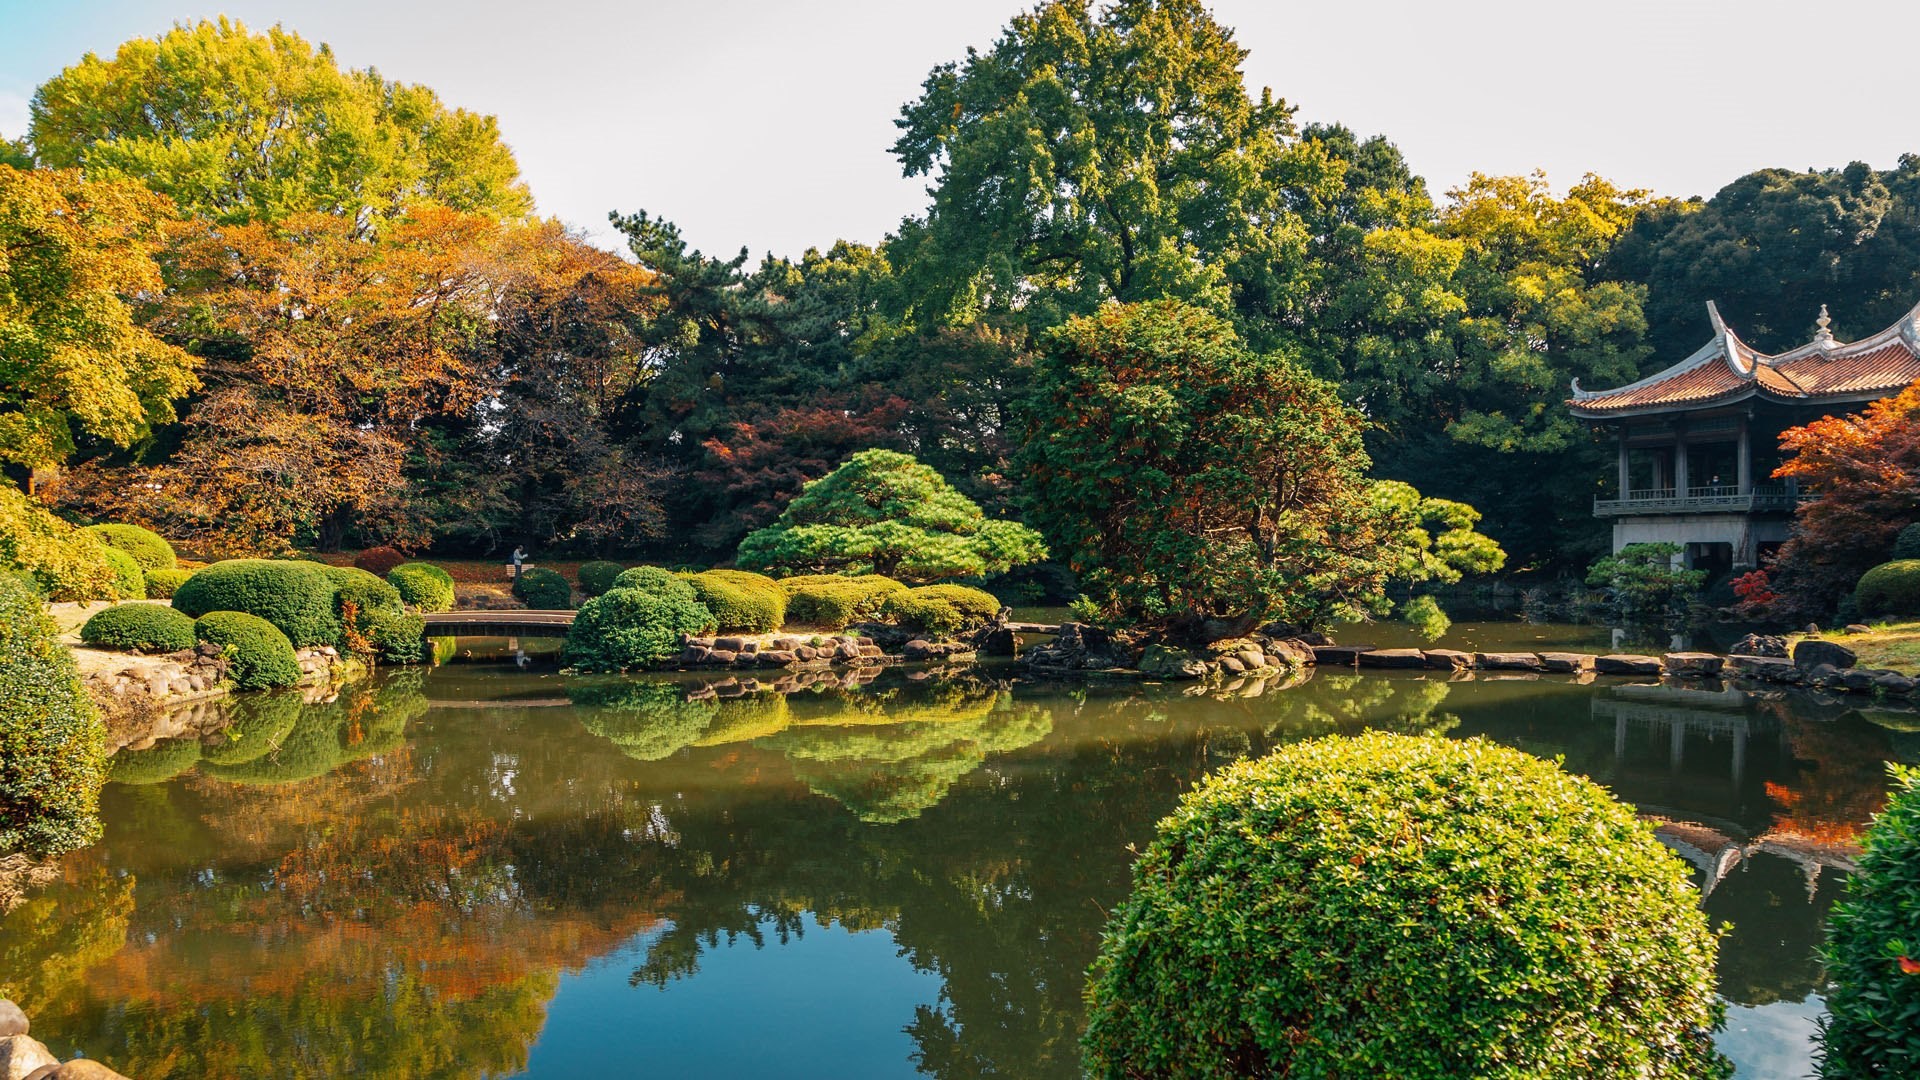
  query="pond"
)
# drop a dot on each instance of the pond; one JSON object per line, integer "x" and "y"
{"x": 479, "y": 870}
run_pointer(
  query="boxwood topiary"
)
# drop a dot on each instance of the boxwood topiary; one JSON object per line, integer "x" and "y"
{"x": 629, "y": 628}
{"x": 297, "y": 597}
{"x": 52, "y": 751}
{"x": 1891, "y": 588}
{"x": 261, "y": 655}
{"x": 834, "y": 600}
{"x": 149, "y": 550}
{"x": 598, "y": 577}
{"x": 162, "y": 583}
{"x": 1407, "y": 906}
{"x": 394, "y": 636}
{"x": 423, "y": 585}
{"x": 1873, "y": 950}
{"x": 129, "y": 583}
{"x": 741, "y": 602}
{"x": 657, "y": 581}
{"x": 379, "y": 561}
{"x": 543, "y": 589}
{"x": 941, "y": 609}
{"x": 154, "y": 628}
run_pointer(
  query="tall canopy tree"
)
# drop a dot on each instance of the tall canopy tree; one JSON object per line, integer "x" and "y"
{"x": 237, "y": 126}
{"x": 76, "y": 260}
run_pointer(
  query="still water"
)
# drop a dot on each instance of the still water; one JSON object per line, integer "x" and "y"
{"x": 478, "y": 871}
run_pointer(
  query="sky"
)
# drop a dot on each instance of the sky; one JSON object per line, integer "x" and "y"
{"x": 766, "y": 123}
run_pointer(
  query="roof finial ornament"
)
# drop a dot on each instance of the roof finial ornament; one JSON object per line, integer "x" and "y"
{"x": 1823, "y": 336}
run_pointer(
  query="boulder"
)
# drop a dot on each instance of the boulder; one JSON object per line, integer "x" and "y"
{"x": 805, "y": 653}
{"x": 1289, "y": 652}
{"x": 1761, "y": 645}
{"x": 917, "y": 649}
{"x": 1000, "y": 641}
{"x": 1856, "y": 680}
{"x": 1626, "y": 664}
{"x": 1693, "y": 665}
{"x": 1393, "y": 658}
{"x": 1857, "y": 628}
{"x": 1339, "y": 655}
{"x": 1507, "y": 661}
{"x": 785, "y": 644}
{"x": 1566, "y": 663}
{"x": 1447, "y": 659}
{"x": 696, "y": 654}
{"x": 1252, "y": 659}
{"x": 1166, "y": 662}
{"x": 1813, "y": 652}
{"x": 1892, "y": 682}
{"x": 22, "y": 1056}
{"x": 1769, "y": 668}
{"x": 1231, "y": 665}
{"x": 12, "y": 1020}
{"x": 79, "y": 1069}
{"x": 1822, "y": 673}
{"x": 731, "y": 644}
{"x": 775, "y": 658}
{"x": 721, "y": 656}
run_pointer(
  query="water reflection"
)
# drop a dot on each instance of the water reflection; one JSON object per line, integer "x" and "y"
{"x": 405, "y": 880}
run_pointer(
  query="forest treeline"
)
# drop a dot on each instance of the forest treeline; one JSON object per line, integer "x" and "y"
{"x": 291, "y": 304}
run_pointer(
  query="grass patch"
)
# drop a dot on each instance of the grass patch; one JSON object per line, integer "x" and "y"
{"x": 1893, "y": 644}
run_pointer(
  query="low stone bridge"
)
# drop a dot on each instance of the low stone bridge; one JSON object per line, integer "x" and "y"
{"x": 509, "y": 623}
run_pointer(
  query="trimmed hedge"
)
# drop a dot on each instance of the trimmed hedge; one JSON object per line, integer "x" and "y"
{"x": 1891, "y": 588}
{"x": 1406, "y": 906}
{"x": 149, "y": 549}
{"x": 381, "y": 627}
{"x": 543, "y": 589}
{"x": 53, "y": 756}
{"x": 653, "y": 579}
{"x": 1872, "y": 1027}
{"x": 423, "y": 585}
{"x": 941, "y": 609}
{"x": 629, "y": 628}
{"x": 63, "y": 562}
{"x": 129, "y": 581}
{"x": 598, "y": 577}
{"x": 162, "y": 583}
{"x": 378, "y": 561}
{"x": 154, "y": 628}
{"x": 261, "y": 655}
{"x": 296, "y": 597}
{"x": 834, "y": 600}
{"x": 741, "y": 601}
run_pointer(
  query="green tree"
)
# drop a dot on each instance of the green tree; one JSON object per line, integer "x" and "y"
{"x": 1646, "y": 581}
{"x": 237, "y": 126}
{"x": 1185, "y": 476}
{"x": 883, "y": 512}
{"x": 75, "y": 259}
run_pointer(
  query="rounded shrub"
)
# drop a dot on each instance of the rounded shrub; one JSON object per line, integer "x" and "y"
{"x": 741, "y": 601}
{"x": 657, "y": 581}
{"x": 161, "y": 583}
{"x": 1891, "y": 588}
{"x": 152, "y": 628}
{"x": 1873, "y": 1010}
{"x": 629, "y": 628}
{"x": 363, "y": 589}
{"x": 261, "y": 655}
{"x": 832, "y": 601}
{"x": 378, "y": 561}
{"x": 148, "y": 548}
{"x": 941, "y": 609}
{"x": 64, "y": 563}
{"x": 129, "y": 582}
{"x": 52, "y": 751}
{"x": 423, "y": 585}
{"x": 297, "y": 597}
{"x": 543, "y": 589}
{"x": 394, "y": 635}
{"x": 1907, "y": 544}
{"x": 1407, "y": 906}
{"x": 598, "y": 577}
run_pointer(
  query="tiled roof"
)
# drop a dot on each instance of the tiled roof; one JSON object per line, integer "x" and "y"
{"x": 1819, "y": 371}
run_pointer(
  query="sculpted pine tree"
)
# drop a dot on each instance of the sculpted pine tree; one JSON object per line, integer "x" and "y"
{"x": 886, "y": 512}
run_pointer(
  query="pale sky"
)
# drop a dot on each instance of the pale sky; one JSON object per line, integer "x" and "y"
{"x": 766, "y": 123}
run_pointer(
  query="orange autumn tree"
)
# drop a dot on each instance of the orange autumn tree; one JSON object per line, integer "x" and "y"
{"x": 1864, "y": 471}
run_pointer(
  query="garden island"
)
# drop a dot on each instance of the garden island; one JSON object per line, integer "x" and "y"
{"x": 1190, "y": 602}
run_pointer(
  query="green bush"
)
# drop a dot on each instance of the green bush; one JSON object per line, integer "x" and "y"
{"x": 261, "y": 655}
{"x": 543, "y": 589}
{"x": 1406, "y": 906}
{"x": 65, "y": 563}
{"x": 941, "y": 609}
{"x": 153, "y": 628}
{"x": 598, "y": 577}
{"x": 148, "y": 548}
{"x": 1873, "y": 1010}
{"x": 129, "y": 582}
{"x": 1890, "y": 589}
{"x": 423, "y": 585}
{"x": 378, "y": 561}
{"x": 52, "y": 752}
{"x": 741, "y": 602}
{"x": 162, "y": 583}
{"x": 629, "y": 628}
{"x": 363, "y": 589}
{"x": 663, "y": 583}
{"x": 394, "y": 636}
{"x": 1907, "y": 544}
{"x": 297, "y": 597}
{"x": 381, "y": 627}
{"x": 833, "y": 600}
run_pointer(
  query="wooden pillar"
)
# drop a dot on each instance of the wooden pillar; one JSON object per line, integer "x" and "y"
{"x": 1746, "y": 458}
{"x": 1681, "y": 481}
{"x": 1624, "y": 475}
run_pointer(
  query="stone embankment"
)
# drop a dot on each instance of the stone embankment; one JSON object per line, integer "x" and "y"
{"x": 23, "y": 1057}
{"x": 865, "y": 646}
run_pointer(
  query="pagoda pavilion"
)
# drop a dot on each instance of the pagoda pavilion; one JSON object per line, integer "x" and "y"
{"x": 1698, "y": 442}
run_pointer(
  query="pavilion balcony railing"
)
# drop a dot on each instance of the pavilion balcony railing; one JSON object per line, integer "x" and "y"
{"x": 1701, "y": 499}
